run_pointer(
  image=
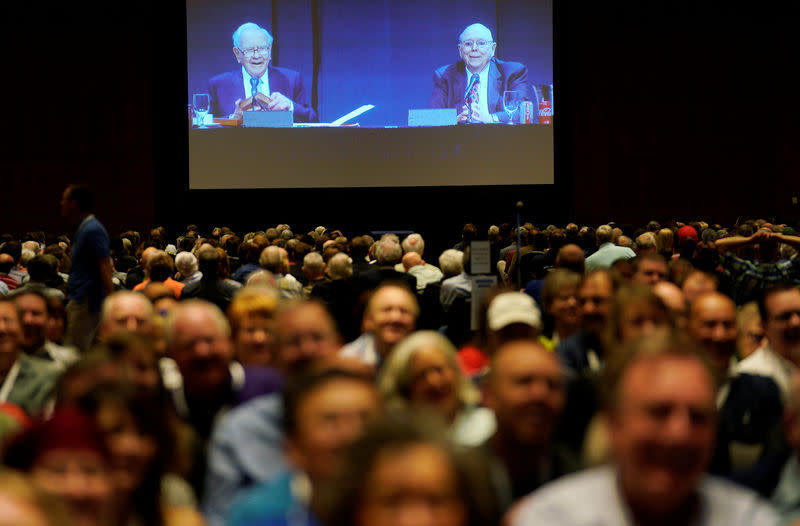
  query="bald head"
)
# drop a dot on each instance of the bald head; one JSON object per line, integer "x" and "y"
{"x": 571, "y": 257}
{"x": 712, "y": 322}
{"x": 412, "y": 259}
{"x": 476, "y": 31}
{"x": 673, "y": 298}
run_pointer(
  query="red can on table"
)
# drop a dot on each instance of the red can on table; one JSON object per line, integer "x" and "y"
{"x": 527, "y": 112}
{"x": 545, "y": 112}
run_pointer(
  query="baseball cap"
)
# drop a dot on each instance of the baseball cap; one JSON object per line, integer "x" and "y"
{"x": 513, "y": 307}
{"x": 687, "y": 233}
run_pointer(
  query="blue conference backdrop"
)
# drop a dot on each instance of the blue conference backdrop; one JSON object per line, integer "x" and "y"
{"x": 355, "y": 52}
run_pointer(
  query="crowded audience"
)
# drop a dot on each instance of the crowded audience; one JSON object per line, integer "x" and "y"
{"x": 598, "y": 374}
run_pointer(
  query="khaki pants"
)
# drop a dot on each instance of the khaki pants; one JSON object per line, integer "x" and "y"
{"x": 81, "y": 325}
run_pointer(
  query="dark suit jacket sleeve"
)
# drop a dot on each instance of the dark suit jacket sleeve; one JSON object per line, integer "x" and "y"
{"x": 439, "y": 97}
{"x": 515, "y": 79}
{"x": 303, "y": 112}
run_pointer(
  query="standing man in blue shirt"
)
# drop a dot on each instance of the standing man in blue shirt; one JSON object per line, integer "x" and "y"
{"x": 90, "y": 274}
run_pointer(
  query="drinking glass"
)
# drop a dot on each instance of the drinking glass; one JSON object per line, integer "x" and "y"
{"x": 201, "y": 107}
{"x": 511, "y": 101}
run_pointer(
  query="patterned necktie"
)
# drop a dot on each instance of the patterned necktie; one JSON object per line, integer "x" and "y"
{"x": 254, "y": 91}
{"x": 473, "y": 93}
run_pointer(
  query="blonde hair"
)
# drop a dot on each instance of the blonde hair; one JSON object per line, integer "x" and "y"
{"x": 249, "y": 301}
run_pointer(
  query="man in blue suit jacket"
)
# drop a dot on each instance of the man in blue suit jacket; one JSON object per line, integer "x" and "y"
{"x": 277, "y": 89}
{"x": 477, "y": 49}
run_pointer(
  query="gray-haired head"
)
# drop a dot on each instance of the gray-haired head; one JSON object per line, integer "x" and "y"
{"x": 249, "y": 26}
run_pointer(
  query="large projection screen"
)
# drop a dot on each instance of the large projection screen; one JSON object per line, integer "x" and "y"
{"x": 383, "y": 53}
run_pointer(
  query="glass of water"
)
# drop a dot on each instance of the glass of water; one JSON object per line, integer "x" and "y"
{"x": 201, "y": 107}
{"x": 511, "y": 101}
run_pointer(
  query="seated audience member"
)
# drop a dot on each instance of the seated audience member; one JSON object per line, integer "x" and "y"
{"x": 252, "y": 318}
{"x": 649, "y": 269}
{"x": 338, "y": 295}
{"x": 560, "y": 304}
{"x": 314, "y": 269}
{"x": 697, "y": 283}
{"x": 665, "y": 243}
{"x": 403, "y": 470}
{"x": 212, "y": 287}
{"x": 504, "y": 315}
{"x": 390, "y": 315}
{"x": 276, "y": 260}
{"x": 780, "y": 478}
{"x": 511, "y": 315}
{"x": 584, "y": 350}
{"x": 751, "y": 332}
{"x": 607, "y": 252}
{"x": 323, "y": 414}
{"x": 249, "y": 252}
{"x": 66, "y": 458}
{"x": 246, "y": 445}
{"x": 457, "y": 287}
{"x": 187, "y": 266}
{"x": 623, "y": 241}
{"x": 749, "y": 405}
{"x": 635, "y": 311}
{"x": 160, "y": 268}
{"x": 569, "y": 257}
{"x": 162, "y": 298}
{"x": 199, "y": 372}
{"x": 526, "y": 389}
{"x": 257, "y": 85}
{"x": 23, "y": 503}
{"x": 422, "y": 372}
{"x": 125, "y": 311}
{"x": 32, "y": 301}
{"x": 416, "y": 266}
{"x": 657, "y": 475}
{"x": 675, "y": 301}
{"x": 43, "y": 270}
{"x": 414, "y": 243}
{"x": 646, "y": 244}
{"x": 752, "y": 277}
{"x": 26, "y": 381}
{"x": 137, "y": 434}
{"x": 388, "y": 253}
{"x": 779, "y": 307}
{"x": 6, "y": 266}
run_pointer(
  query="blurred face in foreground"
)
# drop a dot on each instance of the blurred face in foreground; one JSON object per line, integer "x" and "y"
{"x": 594, "y": 297}
{"x": 526, "y": 392}
{"x": 329, "y": 419}
{"x": 782, "y": 326}
{"x": 413, "y": 485}
{"x": 81, "y": 479}
{"x": 434, "y": 381}
{"x": 306, "y": 333}
{"x": 662, "y": 431}
{"x": 202, "y": 350}
{"x": 391, "y": 316}
{"x": 712, "y": 323}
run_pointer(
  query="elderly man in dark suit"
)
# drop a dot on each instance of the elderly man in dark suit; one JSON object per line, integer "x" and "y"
{"x": 475, "y": 84}
{"x": 275, "y": 89}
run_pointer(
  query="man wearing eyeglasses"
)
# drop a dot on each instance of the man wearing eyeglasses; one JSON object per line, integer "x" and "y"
{"x": 258, "y": 86}
{"x": 475, "y": 84}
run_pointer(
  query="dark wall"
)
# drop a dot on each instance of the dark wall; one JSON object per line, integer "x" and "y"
{"x": 679, "y": 110}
